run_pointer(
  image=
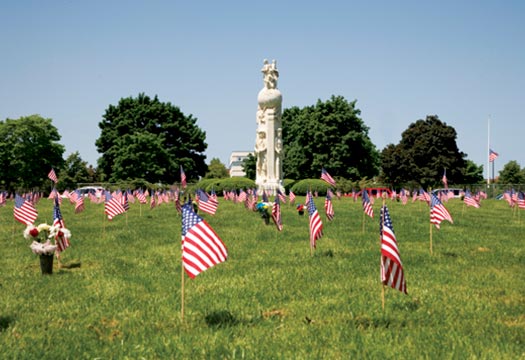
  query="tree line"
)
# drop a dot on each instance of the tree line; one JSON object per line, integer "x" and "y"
{"x": 146, "y": 141}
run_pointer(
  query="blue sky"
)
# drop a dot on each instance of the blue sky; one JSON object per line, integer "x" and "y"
{"x": 461, "y": 60}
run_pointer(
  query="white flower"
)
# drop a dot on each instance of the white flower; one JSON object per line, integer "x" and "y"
{"x": 43, "y": 249}
{"x": 55, "y": 231}
{"x": 43, "y": 227}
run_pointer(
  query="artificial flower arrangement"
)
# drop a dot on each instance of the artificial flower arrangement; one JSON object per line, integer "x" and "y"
{"x": 264, "y": 209}
{"x": 42, "y": 235}
{"x": 300, "y": 209}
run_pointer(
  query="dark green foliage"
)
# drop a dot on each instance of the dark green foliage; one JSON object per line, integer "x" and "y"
{"x": 29, "y": 148}
{"x": 75, "y": 172}
{"x": 249, "y": 165}
{"x": 234, "y": 183}
{"x": 288, "y": 183}
{"x": 426, "y": 149}
{"x": 331, "y": 135}
{"x": 216, "y": 170}
{"x": 512, "y": 173}
{"x": 472, "y": 174}
{"x": 145, "y": 138}
{"x": 303, "y": 186}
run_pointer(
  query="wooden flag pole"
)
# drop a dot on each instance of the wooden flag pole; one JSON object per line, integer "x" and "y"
{"x": 382, "y": 214}
{"x": 363, "y": 225}
{"x": 430, "y": 238}
{"x": 182, "y": 291}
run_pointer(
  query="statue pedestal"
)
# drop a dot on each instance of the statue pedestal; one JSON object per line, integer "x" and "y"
{"x": 270, "y": 188}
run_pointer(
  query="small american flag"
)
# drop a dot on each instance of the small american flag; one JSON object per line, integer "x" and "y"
{"x": 61, "y": 240}
{"x": 438, "y": 212}
{"x": 182, "y": 178}
{"x": 367, "y": 206}
{"x": 201, "y": 246}
{"x": 316, "y": 225}
{"x": 79, "y": 202}
{"x": 52, "y": 176}
{"x": 276, "y": 214}
{"x": 206, "y": 203}
{"x": 282, "y": 197}
{"x": 291, "y": 196}
{"x": 392, "y": 273}
{"x": 328, "y": 207}
{"x": 24, "y": 211}
{"x": 113, "y": 207}
{"x": 444, "y": 179}
{"x": 469, "y": 200}
{"x": 326, "y": 177}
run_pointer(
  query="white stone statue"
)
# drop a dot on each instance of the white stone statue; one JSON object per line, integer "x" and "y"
{"x": 269, "y": 146}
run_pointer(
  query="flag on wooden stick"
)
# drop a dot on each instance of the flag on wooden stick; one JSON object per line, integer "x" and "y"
{"x": 392, "y": 273}
{"x": 201, "y": 246}
{"x": 316, "y": 225}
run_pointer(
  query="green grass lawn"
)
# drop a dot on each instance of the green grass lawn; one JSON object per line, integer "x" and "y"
{"x": 119, "y": 295}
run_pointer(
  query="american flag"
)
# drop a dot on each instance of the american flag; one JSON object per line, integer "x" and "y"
{"x": 492, "y": 155}
{"x": 329, "y": 209}
{"x": 276, "y": 214}
{"x": 444, "y": 179}
{"x": 52, "y": 176}
{"x": 392, "y": 273}
{"x": 326, "y": 177}
{"x": 291, "y": 196}
{"x": 521, "y": 200}
{"x": 201, "y": 246}
{"x": 469, "y": 200}
{"x": 153, "y": 201}
{"x": 367, "y": 206}
{"x": 124, "y": 200}
{"x": 113, "y": 207}
{"x": 282, "y": 197}
{"x": 424, "y": 196}
{"x": 438, "y": 212}
{"x": 206, "y": 203}
{"x": 316, "y": 225}
{"x": 62, "y": 242}
{"x": 182, "y": 178}
{"x": 404, "y": 197}
{"x": 141, "y": 197}
{"x": 24, "y": 211}
{"x": 79, "y": 202}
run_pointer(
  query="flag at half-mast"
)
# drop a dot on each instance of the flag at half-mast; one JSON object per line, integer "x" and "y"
{"x": 492, "y": 155}
{"x": 202, "y": 248}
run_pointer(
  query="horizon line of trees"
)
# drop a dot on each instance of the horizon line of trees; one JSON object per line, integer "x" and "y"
{"x": 146, "y": 141}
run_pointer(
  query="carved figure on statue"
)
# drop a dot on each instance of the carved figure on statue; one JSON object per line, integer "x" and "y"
{"x": 278, "y": 153}
{"x": 260, "y": 151}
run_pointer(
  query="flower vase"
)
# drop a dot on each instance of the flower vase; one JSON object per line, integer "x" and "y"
{"x": 46, "y": 264}
{"x": 266, "y": 219}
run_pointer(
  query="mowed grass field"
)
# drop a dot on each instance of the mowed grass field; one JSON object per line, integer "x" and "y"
{"x": 119, "y": 295}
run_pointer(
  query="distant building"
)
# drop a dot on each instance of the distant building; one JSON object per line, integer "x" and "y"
{"x": 236, "y": 159}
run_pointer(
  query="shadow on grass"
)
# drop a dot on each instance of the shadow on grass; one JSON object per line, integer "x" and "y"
{"x": 367, "y": 323}
{"x": 221, "y": 318}
{"x": 5, "y": 321}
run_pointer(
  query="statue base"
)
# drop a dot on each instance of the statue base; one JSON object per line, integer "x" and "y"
{"x": 270, "y": 188}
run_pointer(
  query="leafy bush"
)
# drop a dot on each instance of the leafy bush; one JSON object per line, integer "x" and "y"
{"x": 303, "y": 186}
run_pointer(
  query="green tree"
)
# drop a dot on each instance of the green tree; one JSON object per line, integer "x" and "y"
{"x": 217, "y": 170}
{"x": 29, "y": 148}
{"x": 473, "y": 173}
{"x": 426, "y": 149}
{"x": 331, "y": 135}
{"x": 512, "y": 174}
{"x": 249, "y": 166}
{"x": 75, "y": 171}
{"x": 145, "y": 138}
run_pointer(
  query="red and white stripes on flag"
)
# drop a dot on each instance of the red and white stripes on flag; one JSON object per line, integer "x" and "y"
{"x": 276, "y": 213}
{"x": 201, "y": 246}
{"x": 326, "y": 177}
{"x": 24, "y": 211}
{"x": 113, "y": 207}
{"x": 438, "y": 212}
{"x": 367, "y": 206}
{"x": 328, "y": 207}
{"x": 52, "y": 176}
{"x": 492, "y": 155}
{"x": 206, "y": 203}
{"x": 316, "y": 225}
{"x": 392, "y": 273}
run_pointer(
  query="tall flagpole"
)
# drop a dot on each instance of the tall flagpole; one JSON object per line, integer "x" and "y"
{"x": 487, "y": 154}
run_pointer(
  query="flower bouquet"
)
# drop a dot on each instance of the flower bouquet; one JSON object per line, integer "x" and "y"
{"x": 300, "y": 209}
{"x": 264, "y": 209}
{"x": 42, "y": 245}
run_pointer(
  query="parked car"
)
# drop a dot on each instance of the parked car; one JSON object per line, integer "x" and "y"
{"x": 95, "y": 190}
{"x": 457, "y": 192}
